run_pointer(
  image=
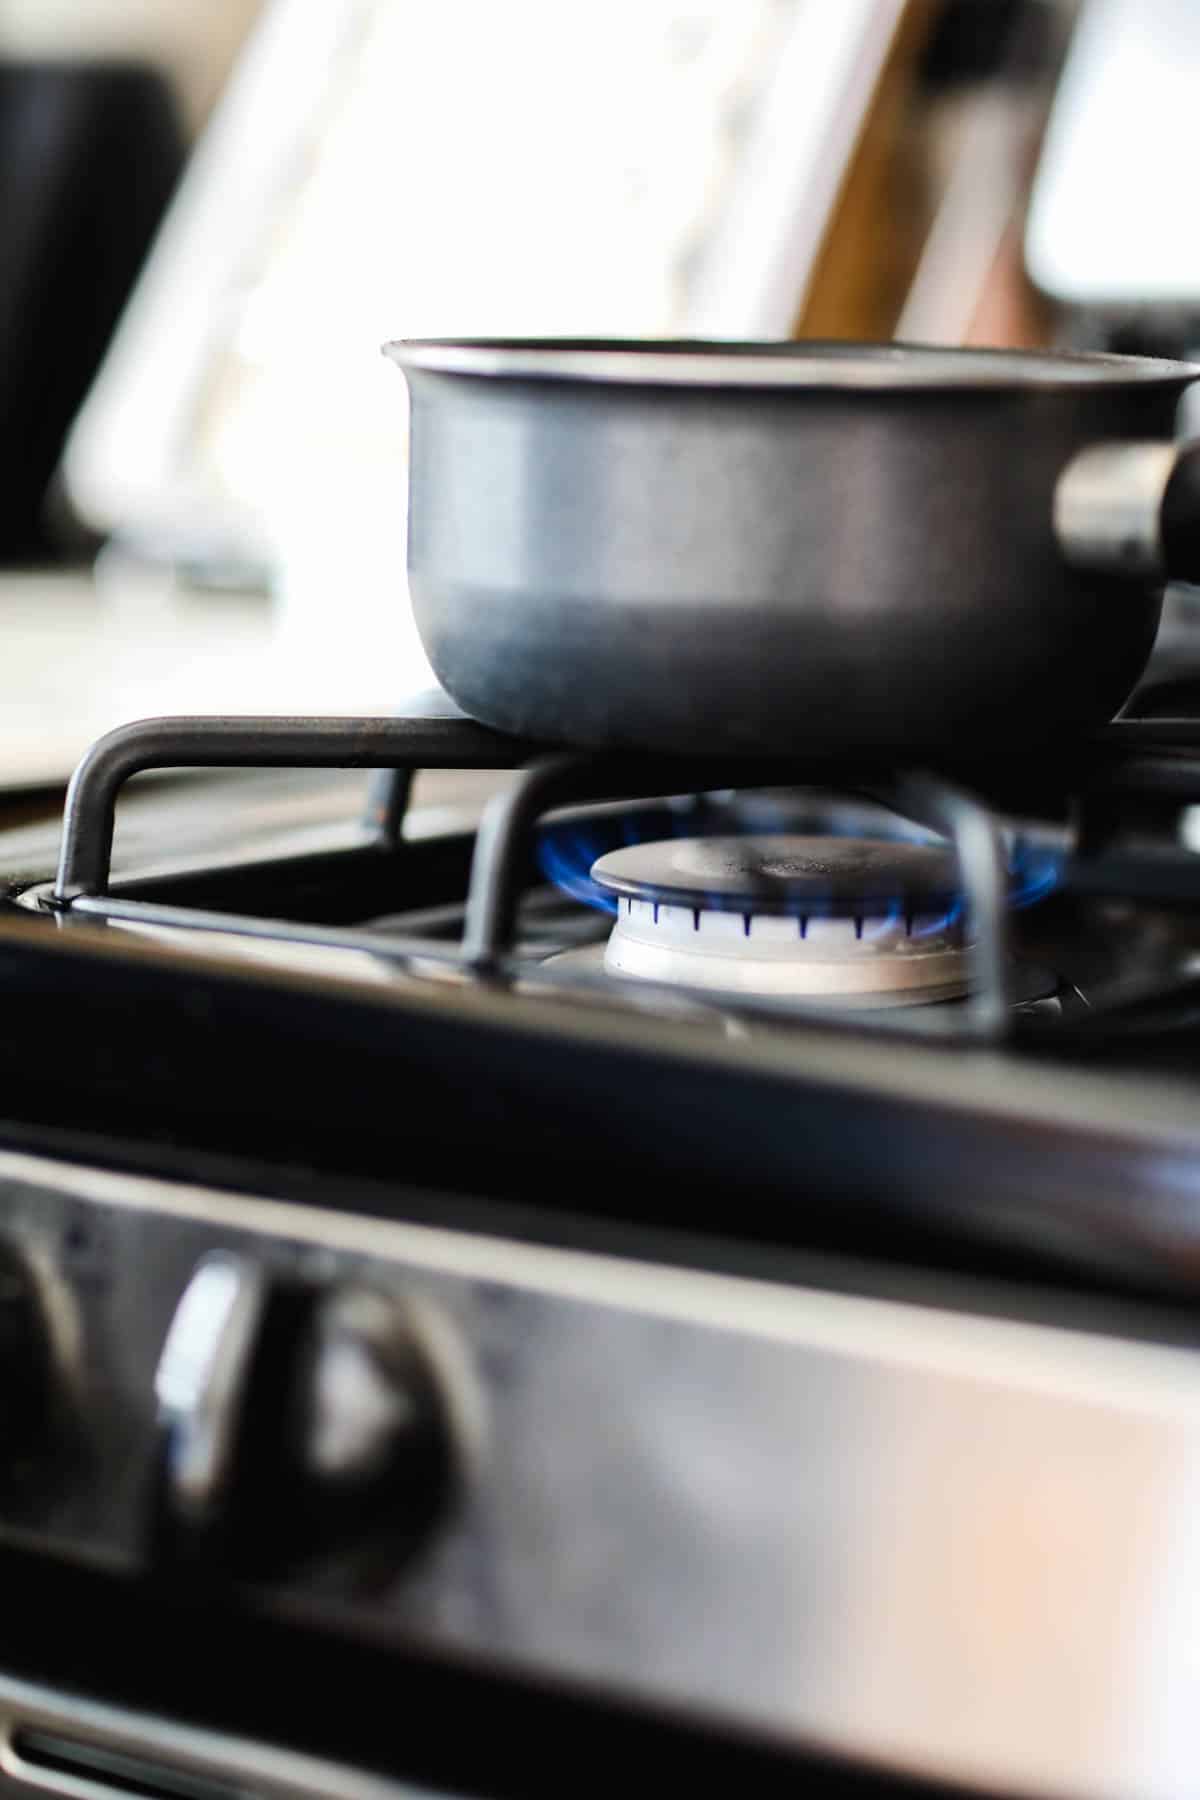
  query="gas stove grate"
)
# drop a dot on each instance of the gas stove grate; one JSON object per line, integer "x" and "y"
{"x": 1136, "y": 761}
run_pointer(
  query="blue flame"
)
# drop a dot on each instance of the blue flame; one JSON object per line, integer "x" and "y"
{"x": 1034, "y": 871}
{"x": 565, "y": 855}
{"x": 877, "y": 927}
{"x": 567, "y": 849}
{"x": 934, "y": 927}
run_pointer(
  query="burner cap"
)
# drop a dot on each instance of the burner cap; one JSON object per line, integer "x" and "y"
{"x": 783, "y": 874}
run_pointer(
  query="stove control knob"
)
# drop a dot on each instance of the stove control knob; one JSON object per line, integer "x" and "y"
{"x": 369, "y": 1444}
{"x": 302, "y": 1425}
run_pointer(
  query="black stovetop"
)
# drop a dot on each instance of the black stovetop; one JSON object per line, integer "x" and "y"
{"x": 281, "y": 981}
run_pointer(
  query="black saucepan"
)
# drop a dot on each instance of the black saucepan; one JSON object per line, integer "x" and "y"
{"x": 764, "y": 548}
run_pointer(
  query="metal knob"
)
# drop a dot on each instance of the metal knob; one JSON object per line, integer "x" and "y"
{"x": 300, "y": 1424}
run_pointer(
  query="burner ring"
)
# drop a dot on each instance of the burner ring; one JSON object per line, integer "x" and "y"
{"x": 854, "y": 921}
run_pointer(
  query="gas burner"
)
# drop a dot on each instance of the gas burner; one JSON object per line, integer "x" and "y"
{"x": 856, "y": 921}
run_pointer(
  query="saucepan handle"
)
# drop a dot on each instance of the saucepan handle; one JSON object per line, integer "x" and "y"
{"x": 1132, "y": 509}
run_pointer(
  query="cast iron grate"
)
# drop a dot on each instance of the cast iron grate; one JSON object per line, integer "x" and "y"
{"x": 1140, "y": 764}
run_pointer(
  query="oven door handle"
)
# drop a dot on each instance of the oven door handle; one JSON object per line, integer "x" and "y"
{"x": 57, "y": 1743}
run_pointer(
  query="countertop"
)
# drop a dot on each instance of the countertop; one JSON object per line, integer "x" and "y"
{"x": 83, "y": 650}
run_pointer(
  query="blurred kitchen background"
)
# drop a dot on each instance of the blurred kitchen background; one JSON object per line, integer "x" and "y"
{"x": 215, "y": 211}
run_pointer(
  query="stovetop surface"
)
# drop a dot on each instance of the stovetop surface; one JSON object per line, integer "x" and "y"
{"x": 1067, "y": 1147}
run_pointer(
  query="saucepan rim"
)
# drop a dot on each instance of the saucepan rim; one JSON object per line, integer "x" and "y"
{"x": 802, "y": 364}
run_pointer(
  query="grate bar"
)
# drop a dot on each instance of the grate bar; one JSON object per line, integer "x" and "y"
{"x": 262, "y": 743}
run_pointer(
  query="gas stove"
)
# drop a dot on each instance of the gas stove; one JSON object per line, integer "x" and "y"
{"x": 661, "y": 1257}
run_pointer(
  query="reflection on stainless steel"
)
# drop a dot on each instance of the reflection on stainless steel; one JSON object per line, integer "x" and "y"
{"x": 958, "y": 1544}
{"x": 199, "y": 1382}
{"x": 806, "y": 366}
